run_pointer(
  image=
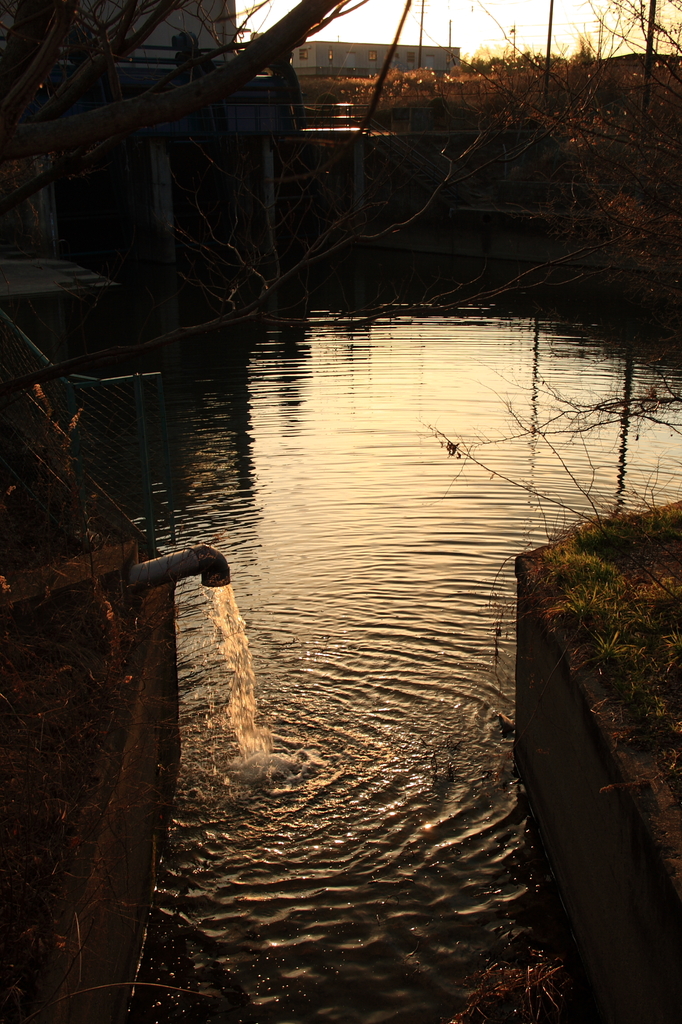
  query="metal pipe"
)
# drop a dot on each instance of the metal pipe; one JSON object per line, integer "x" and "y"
{"x": 147, "y": 493}
{"x": 200, "y": 559}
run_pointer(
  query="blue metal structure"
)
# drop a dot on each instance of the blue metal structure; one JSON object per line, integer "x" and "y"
{"x": 268, "y": 104}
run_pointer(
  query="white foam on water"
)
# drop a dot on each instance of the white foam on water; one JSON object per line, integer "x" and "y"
{"x": 281, "y": 770}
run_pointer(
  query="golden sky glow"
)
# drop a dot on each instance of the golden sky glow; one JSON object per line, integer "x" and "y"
{"x": 474, "y": 23}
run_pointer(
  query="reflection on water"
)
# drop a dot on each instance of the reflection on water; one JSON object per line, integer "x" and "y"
{"x": 376, "y": 852}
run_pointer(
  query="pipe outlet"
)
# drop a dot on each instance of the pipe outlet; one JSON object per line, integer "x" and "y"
{"x": 200, "y": 559}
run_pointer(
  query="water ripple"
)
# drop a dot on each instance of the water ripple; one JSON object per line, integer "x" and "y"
{"x": 362, "y": 870}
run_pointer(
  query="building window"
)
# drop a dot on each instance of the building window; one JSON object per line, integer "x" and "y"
{"x": 302, "y": 54}
{"x": 331, "y": 56}
{"x": 410, "y": 58}
{"x": 372, "y": 54}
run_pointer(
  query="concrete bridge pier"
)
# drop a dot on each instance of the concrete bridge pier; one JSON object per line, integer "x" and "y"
{"x": 269, "y": 197}
{"x": 359, "y": 172}
{"x": 151, "y": 200}
{"x": 270, "y": 264}
{"x": 44, "y": 212}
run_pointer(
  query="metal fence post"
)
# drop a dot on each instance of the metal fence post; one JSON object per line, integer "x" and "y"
{"x": 166, "y": 457}
{"x": 144, "y": 463}
{"x": 76, "y": 449}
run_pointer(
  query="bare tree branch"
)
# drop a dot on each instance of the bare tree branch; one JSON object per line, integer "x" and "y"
{"x": 149, "y": 109}
{"x": 30, "y": 54}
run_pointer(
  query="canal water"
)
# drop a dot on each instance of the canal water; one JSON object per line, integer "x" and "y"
{"x": 371, "y": 849}
{"x": 378, "y": 851}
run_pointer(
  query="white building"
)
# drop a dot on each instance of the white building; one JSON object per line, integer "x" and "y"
{"x": 208, "y": 23}
{"x": 211, "y": 22}
{"x": 363, "y": 60}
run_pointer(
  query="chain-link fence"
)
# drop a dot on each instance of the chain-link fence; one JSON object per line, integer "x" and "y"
{"x": 122, "y": 443}
{"x": 83, "y": 462}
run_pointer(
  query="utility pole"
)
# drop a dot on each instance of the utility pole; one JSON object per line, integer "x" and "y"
{"x": 649, "y": 56}
{"x": 549, "y": 48}
{"x": 600, "y": 40}
{"x": 421, "y": 35}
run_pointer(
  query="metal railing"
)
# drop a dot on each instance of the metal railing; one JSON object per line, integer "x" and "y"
{"x": 335, "y": 115}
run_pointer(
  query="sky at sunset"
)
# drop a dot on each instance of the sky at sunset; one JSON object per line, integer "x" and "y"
{"x": 475, "y": 23}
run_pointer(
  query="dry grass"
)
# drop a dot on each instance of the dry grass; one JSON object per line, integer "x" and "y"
{"x": 62, "y": 670}
{"x": 535, "y": 992}
{"x": 512, "y": 89}
{"x": 62, "y": 682}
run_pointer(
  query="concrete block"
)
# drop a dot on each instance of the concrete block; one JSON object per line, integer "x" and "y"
{"x": 611, "y": 826}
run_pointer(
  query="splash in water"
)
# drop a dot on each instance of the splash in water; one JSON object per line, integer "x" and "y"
{"x": 255, "y": 741}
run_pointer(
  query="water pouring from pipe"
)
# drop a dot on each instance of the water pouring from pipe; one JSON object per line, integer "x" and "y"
{"x": 254, "y": 741}
{"x": 279, "y": 761}
{"x": 257, "y": 761}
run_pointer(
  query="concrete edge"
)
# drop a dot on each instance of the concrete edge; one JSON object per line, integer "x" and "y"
{"x": 101, "y": 919}
{"x": 47, "y": 579}
{"x": 610, "y": 824}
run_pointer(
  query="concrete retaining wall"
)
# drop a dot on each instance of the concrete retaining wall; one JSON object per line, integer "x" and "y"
{"x": 489, "y": 235}
{"x": 102, "y": 916}
{"x": 611, "y": 827}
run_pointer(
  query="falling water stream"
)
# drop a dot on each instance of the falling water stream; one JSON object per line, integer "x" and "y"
{"x": 255, "y": 742}
{"x": 262, "y": 759}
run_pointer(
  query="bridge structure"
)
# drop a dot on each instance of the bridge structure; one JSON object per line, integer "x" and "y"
{"x": 132, "y": 202}
{"x": 170, "y": 184}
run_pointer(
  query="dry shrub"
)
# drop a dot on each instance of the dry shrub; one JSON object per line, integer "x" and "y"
{"x": 531, "y": 993}
{"x": 514, "y": 87}
{"x": 63, "y": 658}
{"x": 401, "y": 88}
{"x": 14, "y": 173}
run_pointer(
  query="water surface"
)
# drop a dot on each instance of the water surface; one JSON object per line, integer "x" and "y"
{"x": 376, "y": 864}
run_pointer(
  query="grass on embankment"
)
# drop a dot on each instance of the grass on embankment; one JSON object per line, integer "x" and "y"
{"x": 615, "y": 584}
